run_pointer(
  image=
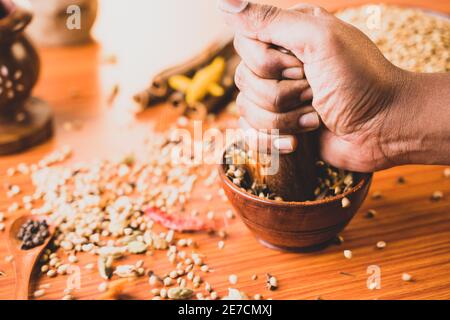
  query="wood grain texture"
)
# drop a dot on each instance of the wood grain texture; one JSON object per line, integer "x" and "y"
{"x": 416, "y": 230}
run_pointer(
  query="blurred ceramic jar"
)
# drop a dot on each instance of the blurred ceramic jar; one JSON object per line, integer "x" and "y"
{"x": 62, "y": 22}
{"x": 19, "y": 62}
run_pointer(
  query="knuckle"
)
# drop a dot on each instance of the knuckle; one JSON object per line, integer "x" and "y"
{"x": 263, "y": 15}
{"x": 319, "y": 11}
{"x": 237, "y": 43}
{"x": 328, "y": 35}
{"x": 276, "y": 99}
{"x": 239, "y": 78}
{"x": 266, "y": 65}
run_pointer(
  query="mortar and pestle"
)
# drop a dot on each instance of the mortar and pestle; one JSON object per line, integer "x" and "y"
{"x": 24, "y": 121}
{"x": 295, "y": 224}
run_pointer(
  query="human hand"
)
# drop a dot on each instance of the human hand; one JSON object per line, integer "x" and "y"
{"x": 350, "y": 87}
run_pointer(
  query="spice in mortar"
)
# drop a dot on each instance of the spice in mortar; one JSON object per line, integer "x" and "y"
{"x": 33, "y": 234}
{"x": 330, "y": 181}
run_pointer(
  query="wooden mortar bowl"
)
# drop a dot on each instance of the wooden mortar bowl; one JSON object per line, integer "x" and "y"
{"x": 296, "y": 226}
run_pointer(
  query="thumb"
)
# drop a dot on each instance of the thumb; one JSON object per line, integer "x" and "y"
{"x": 296, "y": 30}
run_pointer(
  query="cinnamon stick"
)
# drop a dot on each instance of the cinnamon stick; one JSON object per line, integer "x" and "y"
{"x": 160, "y": 91}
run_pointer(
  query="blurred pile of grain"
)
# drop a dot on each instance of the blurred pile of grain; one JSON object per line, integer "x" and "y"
{"x": 410, "y": 38}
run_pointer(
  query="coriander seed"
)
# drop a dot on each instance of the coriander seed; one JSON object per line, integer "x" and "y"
{"x": 348, "y": 254}
{"x": 406, "y": 277}
{"x": 233, "y": 279}
{"x": 381, "y": 244}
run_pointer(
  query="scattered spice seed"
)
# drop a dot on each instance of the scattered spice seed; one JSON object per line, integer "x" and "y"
{"x": 2, "y": 273}
{"x": 213, "y": 295}
{"x": 447, "y": 172}
{"x": 137, "y": 247}
{"x": 233, "y": 279}
{"x": 199, "y": 296}
{"x": 377, "y": 195}
{"x": 258, "y": 297}
{"x": 89, "y": 266}
{"x": 223, "y": 234}
{"x": 11, "y": 172}
{"x": 155, "y": 291}
{"x": 51, "y": 273}
{"x": 173, "y": 274}
{"x": 106, "y": 210}
{"x": 234, "y": 294}
{"x": 381, "y": 244}
{"x": 45, "y": 286}
{"x": 39, "y": 293}
{"x": 406, "y": 277}
{"x": 370, "y": 214}
{"x": 168, "y": 281}
{"x": 103, "y": 287}
{"x": 410, "y": 38}
{"x": 179, "y": 293}
{"x": 401, "y": 180}
{"x": 348, "y": 254}
{"x": 254, "y": 277}
{"x": 271, "y": 282}
{"x": 204, "y": 268}
{"x": 126, "y": 271}
{"x": 153, "y": 280}
{"x": 9, "y": 258}
{"x": 229, "y": 214}
{"x": 221, "y": 245}
{"x": 104, "y": 265}
{"x": 437, "y": 196}
{"x": 197, "y": 280}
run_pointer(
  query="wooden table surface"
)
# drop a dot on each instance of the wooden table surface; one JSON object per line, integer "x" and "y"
{"x": 77, "y": 83}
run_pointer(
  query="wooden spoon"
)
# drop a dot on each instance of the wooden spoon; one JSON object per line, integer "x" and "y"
{"x": 25, "y": 260}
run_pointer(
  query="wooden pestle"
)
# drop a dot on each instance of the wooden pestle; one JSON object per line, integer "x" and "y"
{"x": 296, "y": 177}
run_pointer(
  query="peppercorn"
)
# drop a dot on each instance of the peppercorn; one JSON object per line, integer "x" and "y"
{"x": 33, "y": 234}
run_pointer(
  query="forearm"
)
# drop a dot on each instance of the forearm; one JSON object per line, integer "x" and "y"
{"x": 419, "y": 123}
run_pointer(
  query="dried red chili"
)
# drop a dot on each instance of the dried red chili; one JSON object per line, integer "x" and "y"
{"x": 179, "y": 223}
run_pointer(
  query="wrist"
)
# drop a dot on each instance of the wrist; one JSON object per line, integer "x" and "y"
{"x": 416, "y": 130}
